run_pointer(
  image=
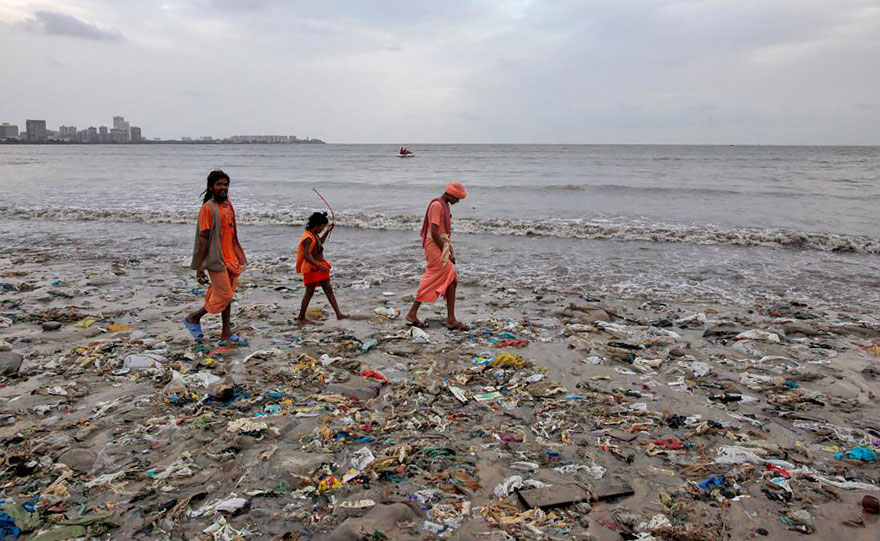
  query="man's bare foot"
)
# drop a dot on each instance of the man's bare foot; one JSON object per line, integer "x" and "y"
{"x": 342, "y": 316}
{"x": 456, "y": 325}
{"x": 413, "y": 321}
{"x": 303, "y": 322}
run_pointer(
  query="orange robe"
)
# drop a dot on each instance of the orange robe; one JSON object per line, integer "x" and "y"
{"x": 311, "y": 274}
{"x": 438, "y": 276}
{"x": 223, "y": 283}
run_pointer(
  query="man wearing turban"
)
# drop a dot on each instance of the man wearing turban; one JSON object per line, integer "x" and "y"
{"x": 440, "y": 277}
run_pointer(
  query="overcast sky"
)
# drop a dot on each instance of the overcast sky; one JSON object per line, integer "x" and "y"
{"x": 520, "y": 71}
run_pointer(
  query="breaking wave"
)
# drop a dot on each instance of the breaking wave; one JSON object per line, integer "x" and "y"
{"x": 568, "y": 229}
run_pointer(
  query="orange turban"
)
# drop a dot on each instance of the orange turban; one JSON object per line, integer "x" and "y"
{"x": 456, "y": 190}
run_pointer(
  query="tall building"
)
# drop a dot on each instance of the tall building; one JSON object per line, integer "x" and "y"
{"x": 67, "y": 133}
{"x": 103, "y": 135}
{"x": 36, "y": 131}
{"x": 89, "y": 135}
{"x": 121, "y": 132}
{"x": 8, "y": 131}
{"x": 136, "y": 136}
{"x": 118, "y": 135}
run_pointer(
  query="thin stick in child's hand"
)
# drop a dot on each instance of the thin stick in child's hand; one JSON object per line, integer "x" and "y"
{"x": 332, "y": 214}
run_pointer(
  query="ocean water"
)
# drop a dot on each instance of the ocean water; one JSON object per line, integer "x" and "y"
{"x": 686, "y": 222}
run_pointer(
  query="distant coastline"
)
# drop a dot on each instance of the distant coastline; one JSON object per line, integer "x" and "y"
{"x": 165, "y": 142}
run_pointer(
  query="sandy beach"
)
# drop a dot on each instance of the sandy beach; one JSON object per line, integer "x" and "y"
{"x": 659, "y": 221}
{"x": 612, "y": 417}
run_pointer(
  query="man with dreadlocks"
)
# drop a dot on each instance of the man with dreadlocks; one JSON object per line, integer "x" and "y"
{"x": 218, "y": 254}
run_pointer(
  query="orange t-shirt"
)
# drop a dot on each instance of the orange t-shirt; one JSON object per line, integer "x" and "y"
{"x": 316, "y": 250}
{"x": 227, "y": 232}
{"x": 303, "y": 266}
{"x": 435, "y": 217}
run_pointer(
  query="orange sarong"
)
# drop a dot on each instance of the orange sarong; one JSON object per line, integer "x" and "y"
{"x": 221, "y": 291}
{"x": 317, "y": 276}
{"x": 437, "y": 277}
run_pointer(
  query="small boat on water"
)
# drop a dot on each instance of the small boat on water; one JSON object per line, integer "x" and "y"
{"x": 408, "y": 155}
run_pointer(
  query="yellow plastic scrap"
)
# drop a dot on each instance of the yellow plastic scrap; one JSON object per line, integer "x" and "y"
{"x": 316, "y": 313}
{"x": 508, "y": 360}
{"x": 267, "y": 454}
{"x": 308, "y": 409}
{"x": 86, "y": 322}
{"x": 329, "y": 484}
{"x": 305, "y": 363}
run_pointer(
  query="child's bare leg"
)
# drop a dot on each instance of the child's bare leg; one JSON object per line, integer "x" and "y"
{"x": 307, "y": 298}
{"x": 328, "y": 290}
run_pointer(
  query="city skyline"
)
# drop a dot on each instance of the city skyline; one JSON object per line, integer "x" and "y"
{"x": 122, "y": 132}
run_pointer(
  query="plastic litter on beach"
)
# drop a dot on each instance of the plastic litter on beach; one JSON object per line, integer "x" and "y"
{"x": 555, "y": 417}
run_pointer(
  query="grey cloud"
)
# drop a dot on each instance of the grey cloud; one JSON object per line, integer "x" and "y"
{"x": 502, "y": 70}
{"x": 240, "y": 5}
{"x": 52, "y": 23}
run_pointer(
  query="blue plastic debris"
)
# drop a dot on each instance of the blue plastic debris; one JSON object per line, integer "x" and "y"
{"x": 8, "y": 527}
{"x": 31, "y": 506}
{"x": 858, "y": 453}
{"x": 711, "y": 482}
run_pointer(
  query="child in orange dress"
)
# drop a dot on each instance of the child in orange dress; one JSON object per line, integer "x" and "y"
{"x": 311, "y": 264}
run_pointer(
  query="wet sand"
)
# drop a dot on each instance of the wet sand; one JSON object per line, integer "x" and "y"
{"x": 603, "y": 378}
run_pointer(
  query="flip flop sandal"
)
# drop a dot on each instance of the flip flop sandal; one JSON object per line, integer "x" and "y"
{"x": 417, "y": 324}
{"x": 235, "y": 340}
{"x": 194, "y": 329}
